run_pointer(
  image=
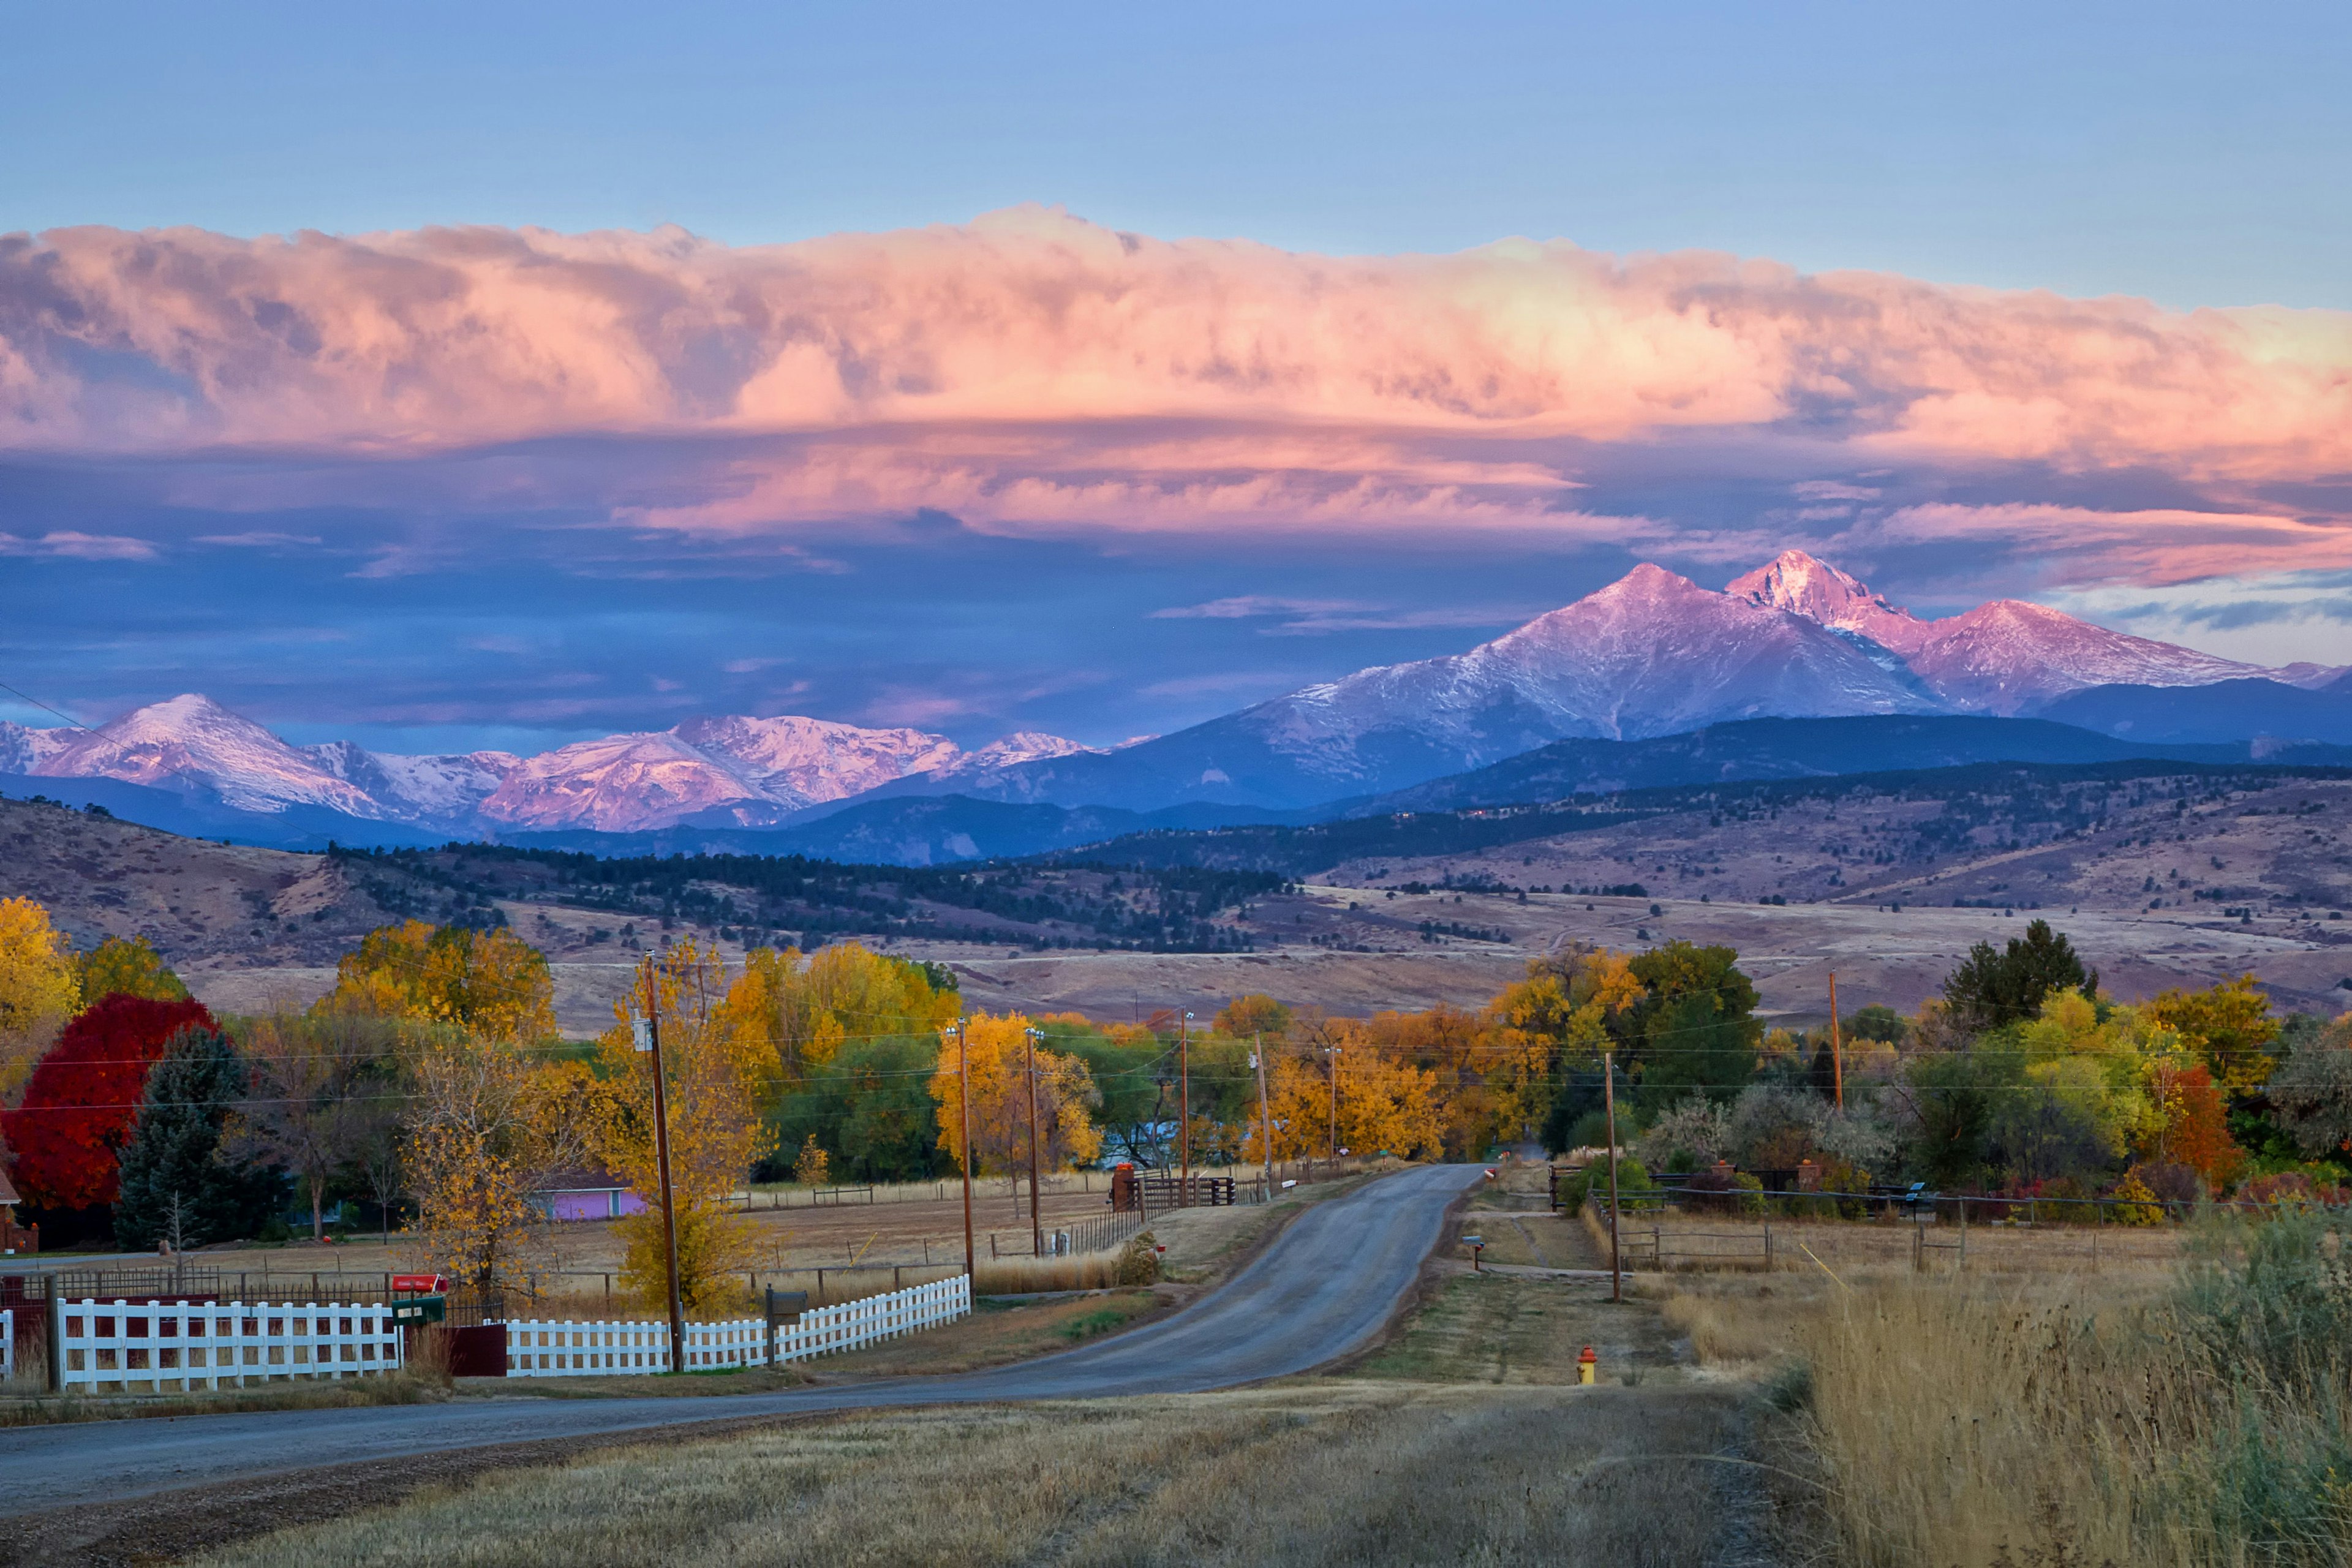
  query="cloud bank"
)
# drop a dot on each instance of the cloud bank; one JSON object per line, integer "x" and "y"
{"x": 1032, "y": 369}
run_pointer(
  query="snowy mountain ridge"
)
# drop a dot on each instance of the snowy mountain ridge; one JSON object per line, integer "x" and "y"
{"x": 1652, "y": 654}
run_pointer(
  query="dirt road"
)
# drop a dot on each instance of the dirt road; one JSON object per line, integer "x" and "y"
{"x": 1323, "y": 1289}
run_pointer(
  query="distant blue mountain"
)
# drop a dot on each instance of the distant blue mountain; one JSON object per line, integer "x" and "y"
{"x": 2225, "y": 710}
{"x": 942, "y": 829}
{"x": 1792, "y": 749}
{"x": 198, "y": 813}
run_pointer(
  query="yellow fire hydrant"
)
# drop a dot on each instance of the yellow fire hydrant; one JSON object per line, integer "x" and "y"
{"x": 1588, "y": 1366}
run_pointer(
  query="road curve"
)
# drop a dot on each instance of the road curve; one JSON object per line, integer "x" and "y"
{"x": 1323, "y": 1289}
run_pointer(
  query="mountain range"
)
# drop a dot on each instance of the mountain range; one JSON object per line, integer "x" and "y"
{"x": 1652, "y": 655}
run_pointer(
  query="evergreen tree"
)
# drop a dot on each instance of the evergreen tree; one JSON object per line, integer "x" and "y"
{"x": 175, "y": 1175}
{"x": 1992, "y": 988}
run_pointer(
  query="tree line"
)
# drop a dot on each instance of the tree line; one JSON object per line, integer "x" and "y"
{"x": 431, "y": 1085}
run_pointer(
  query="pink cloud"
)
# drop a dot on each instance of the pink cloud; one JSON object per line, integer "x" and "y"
{"x": 1031, "y": 371}
{"x": 2080, "y": 547}
{"x": 460, "y": 336}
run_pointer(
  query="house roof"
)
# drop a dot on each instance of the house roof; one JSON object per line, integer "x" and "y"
{"x": 7, "y": 1193}
{"x": 582, "y": 1179}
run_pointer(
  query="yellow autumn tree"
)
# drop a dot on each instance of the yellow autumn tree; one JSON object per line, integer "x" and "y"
{"x": 2228, "y": 1025}
{"x": 1298, "y": 1103}
{"x": 801, "y": 1007}
{"x": 712, "y": 1064}
{"x": 40, "y": 988}
{"x": 492, "y": 985}
{"x": 487, "y": 1129}
{"x": 116, "y": 967}
{"x": 1065, "y": 1095}
{"x": 1382, "y": 1102}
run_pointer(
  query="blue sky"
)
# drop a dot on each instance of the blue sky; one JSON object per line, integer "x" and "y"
{"x": 2193, "y": 156}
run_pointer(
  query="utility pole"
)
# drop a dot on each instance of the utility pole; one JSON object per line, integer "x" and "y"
{"x": 661, "y": 1157}
{"x": 1608, "y": 1098}
{"x": 1184, "y": 1106}
{"x": 964, "y": 1107}
{"x": 1036, "y": 1226}
{"x": 1837, "y": 1044}
{"x": 1333, "y": 1052}
{"x": 1265, "y": 1116}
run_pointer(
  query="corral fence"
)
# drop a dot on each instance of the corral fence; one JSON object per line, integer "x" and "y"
{"x": 1654, "y": 1229}
{"x": 537, "y": 1348}
{"x": 182, "y": 1346}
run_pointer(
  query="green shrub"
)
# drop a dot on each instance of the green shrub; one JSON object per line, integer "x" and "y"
{"x": 1632, "y": 1181}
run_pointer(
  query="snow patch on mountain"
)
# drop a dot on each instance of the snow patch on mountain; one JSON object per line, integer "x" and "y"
{"x": 189, "y": 741}
{"x": 2006, "y": 658}
{"x": 426, "y": 789}
{"x": 795, "y": 761}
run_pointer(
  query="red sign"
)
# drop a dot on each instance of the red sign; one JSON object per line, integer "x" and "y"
{"x": 421, "y": 1284}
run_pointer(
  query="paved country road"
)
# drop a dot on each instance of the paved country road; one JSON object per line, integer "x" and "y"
{"x": 1323, "y": 1289}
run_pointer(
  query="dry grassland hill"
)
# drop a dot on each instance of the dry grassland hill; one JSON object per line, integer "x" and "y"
{"x": 195, "y": 900}
{"x": 2267, "y": 851}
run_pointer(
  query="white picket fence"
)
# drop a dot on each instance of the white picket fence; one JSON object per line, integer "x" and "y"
{"x": 7, "y": 1345}
{"x": 548, "y": 1348}
{"x": 177, "y": 1346}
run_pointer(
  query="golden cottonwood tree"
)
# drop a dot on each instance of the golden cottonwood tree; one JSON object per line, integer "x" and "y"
{"x": 802, "y": 1007}
{"x": 39, "y": 990}
{"x": 489, "y": 984}
{"x": 486, "y": 1128}
{"x": 1066, "y": 1134}
{"x": 712, "y": 1062}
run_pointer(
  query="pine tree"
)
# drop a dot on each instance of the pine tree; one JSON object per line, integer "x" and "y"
{"x": 174, "y": 1172}
{"x": 1992, "y": 988}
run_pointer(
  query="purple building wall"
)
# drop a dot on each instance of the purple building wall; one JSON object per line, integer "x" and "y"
{"x": 609, "y": 1203}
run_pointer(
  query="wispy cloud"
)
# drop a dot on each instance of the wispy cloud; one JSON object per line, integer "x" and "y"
{"x": 259, "y": 539}
{"x": 71, "y": 546}
{"x": 1249, "y": 607}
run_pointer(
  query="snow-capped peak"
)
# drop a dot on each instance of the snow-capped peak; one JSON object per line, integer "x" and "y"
{"x": 1803, "y": 585}
{"x": 192, "y": 740}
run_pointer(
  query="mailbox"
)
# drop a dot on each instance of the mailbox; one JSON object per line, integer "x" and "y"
{"x": 420, "y": 1309}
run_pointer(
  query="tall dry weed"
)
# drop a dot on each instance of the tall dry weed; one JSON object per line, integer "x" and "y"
{"x": 1985, "y": 1425}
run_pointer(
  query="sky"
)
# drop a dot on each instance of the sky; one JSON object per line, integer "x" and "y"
{"x": 450, "y": 376}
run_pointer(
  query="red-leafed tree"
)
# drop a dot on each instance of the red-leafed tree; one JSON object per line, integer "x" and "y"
{"x": 2194, "y": 1127}
{"x": 79, "y": 1105}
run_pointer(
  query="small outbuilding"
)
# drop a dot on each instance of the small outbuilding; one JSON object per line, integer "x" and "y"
{"x": 590, "y": 1192}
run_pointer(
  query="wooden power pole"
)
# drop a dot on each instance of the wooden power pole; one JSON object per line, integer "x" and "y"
{"x": 1184, "y": 1106}
{"x": 661, "y": 1157}
{"x": 1036, "y": 1226}
{"x": 1264, "y": 1115}
{"x": 1837, "y": 1044}
{"x": 1609, "y": 1099}
{"x": 963, "y": 1106}
{"x": 1333, "y": 1052}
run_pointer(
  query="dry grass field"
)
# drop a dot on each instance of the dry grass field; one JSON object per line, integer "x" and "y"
{"x": 1341, "y": 1473}
{"x": 2142, "y": 900}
